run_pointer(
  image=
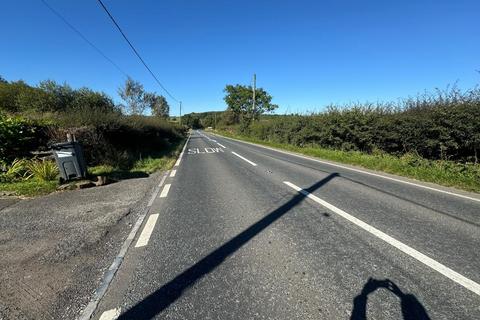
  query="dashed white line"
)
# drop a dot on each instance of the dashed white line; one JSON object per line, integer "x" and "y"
{"x": 221, "y": 145}
{"x": 245, "y": 159}
{"x": 178, "y": 160}
{"x": 181, "y": 153}
{"x": 147, "y": 231}
{"x": 173, "y": 173}
{"x": 111, "y": 314}
{"x": 165, "y": 190}
{"x": 435, "y": 265}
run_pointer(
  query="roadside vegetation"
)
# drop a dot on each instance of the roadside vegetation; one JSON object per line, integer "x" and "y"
{"x": 119, "y": 138}
{"x": 434, "y": 137}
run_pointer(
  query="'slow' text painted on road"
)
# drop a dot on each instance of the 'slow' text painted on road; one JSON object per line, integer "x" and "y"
{"x": 204, "y": 150}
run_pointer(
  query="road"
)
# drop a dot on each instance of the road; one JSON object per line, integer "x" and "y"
{"x": 239, "y": 231}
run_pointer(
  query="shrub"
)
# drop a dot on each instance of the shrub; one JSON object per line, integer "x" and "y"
{"x": 45, "y": 170}
{"x": 18, "y": 170}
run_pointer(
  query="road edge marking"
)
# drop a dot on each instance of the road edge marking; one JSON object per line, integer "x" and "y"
{"x": 111, "y": 314}
{"x": 165, "y": 190}
{"x": 177, "y": 163}
{"x": 245, "y": 159}
{"x": 173, "y": 173}
{"x": 108, "y": 276}
{"x": 356, "y": 170}
{"x": 147, "y": 231}
{"x": 426, "y": 260}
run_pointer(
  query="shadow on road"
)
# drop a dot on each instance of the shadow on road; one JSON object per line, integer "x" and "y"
{"x": 412, "y": 309}
{"x": 158, "y": 301}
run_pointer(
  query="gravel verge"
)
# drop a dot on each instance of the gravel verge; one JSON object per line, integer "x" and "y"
{"x": 55, "y": 249}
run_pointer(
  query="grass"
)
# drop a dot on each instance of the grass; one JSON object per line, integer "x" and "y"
{"x": 36, "y": 186}
{"x": 163, "y": 160}
{"x": 29, "y": 188}
{"x": 446, "y": 173}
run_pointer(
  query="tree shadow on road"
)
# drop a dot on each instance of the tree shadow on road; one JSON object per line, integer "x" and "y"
{"x": 159, "y": 300}
{"x": 412, "y": 309}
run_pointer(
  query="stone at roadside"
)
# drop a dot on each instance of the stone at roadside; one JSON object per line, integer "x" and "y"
{"x": 84, "y": 184}
{"x": 102, "y": 180}
{"x": 7, "y": 193}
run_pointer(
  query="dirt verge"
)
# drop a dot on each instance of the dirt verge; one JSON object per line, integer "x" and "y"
{"x": 54, "y": 249}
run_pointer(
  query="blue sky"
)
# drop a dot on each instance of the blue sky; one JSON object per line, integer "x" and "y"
{"x": 307, "y": 54}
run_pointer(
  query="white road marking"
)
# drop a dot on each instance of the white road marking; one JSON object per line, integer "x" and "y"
{"x": 361, "y": 171}
{"x": 173, "y": 173}
{"x": 111, "y": 314}
{"x": 181, "y": 153}
{"x": 165, "y": 190}
{"x": 221, "y": 145}
{"x": 252, "y": 163}
{"x": 437, "y": 266}
{"x": 147, "y": 231}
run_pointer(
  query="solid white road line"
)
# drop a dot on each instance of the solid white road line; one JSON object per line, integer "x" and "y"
{"x": 147, "y": 231}
{"x": 111, "y": 314}
{"x": 252, "y": 163}
{"x": 437, "y": 266}
{"x": 165, "y": 190}
{"x": 221, "y": 145}
{"x": 173, "y": 173}
{"x": 361, "y": 171}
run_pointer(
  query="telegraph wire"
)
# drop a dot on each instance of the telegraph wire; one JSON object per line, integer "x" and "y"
{"x": 134, "y": 50}
{"x": 84, "y": 38}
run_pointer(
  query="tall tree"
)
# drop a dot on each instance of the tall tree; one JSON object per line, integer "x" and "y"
{"x": 159, "y": 105}
{"x": 239, "y": 100}
{"x": 134, "y": 95}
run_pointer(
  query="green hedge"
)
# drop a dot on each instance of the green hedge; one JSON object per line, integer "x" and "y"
{"x": 443, "y": 126}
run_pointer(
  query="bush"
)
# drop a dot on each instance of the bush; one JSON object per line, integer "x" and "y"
{"x": 19, "y": 136}
{"x": 45, "y": 170}
{"x": 444, "y": 125}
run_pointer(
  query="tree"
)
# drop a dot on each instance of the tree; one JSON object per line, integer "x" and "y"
{"x": 239, "y": 100}
{"x": 2, "y": 80}
{"x": 134, "y": 95}
{"x": 159, "y": 106}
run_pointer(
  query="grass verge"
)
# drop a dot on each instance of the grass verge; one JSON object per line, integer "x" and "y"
{"x": 446, "y": 173}
{"x": 163, "y": 160}
{"x": 29, "y": 188}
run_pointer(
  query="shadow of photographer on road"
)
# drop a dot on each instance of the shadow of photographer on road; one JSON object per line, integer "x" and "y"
{"x": 411, "y": 307}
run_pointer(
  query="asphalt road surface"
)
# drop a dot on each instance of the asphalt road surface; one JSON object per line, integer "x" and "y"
{"x": 239, "y": 231}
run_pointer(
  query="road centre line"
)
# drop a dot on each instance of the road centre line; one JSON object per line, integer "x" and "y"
{"x": 173, "y": 173}
{"x": 359, "y": 170}
{"x": 245, "y": 159}
{"x": 147, "y": 231}
{"x": 165, "y": 190}
{"x": 437, "y": 266}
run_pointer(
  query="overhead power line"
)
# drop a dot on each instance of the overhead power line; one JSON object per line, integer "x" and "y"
{"x": 83, "y": 37}
{"x": 135, "y": 50}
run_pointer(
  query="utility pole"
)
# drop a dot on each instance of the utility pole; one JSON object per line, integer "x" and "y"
{"x": 254, "y": 85}
{"x": 215, "y": 117}
{"x": 180, "y": 112}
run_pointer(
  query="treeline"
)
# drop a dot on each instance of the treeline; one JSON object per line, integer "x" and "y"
{"x": 443, "y": 125}
{"x": 33, "y": 117}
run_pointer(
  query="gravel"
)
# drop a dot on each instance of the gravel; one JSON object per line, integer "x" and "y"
{"x": 54, "y": 249}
